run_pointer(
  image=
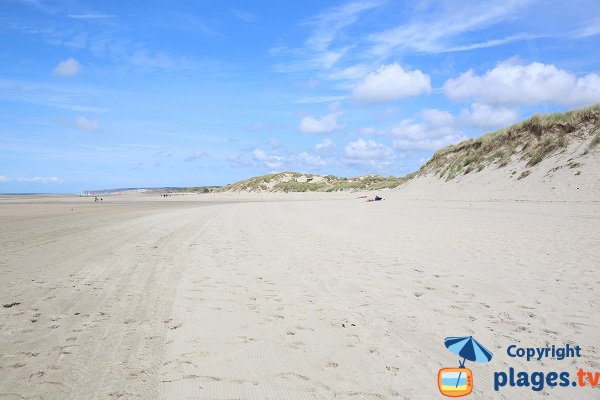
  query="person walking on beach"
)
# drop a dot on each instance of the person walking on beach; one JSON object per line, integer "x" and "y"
{"x": 95, "y": 199}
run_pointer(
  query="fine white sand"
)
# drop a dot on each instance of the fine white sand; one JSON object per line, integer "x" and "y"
{"x": 304, "y": 296}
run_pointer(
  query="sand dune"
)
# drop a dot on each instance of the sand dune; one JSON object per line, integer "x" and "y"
{"x": 274, "y": 296}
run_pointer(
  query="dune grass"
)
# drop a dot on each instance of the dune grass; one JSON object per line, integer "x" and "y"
{"x": 594, "y": 142}
{"x": 531, "y": 140}
{"x": 297, "y": 182}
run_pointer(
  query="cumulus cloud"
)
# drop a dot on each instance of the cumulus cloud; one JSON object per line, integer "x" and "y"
{"x": 68, "y": 67}
{"x": 269, "y": 160}
{"x": 277, "y": 161}
{"x": 484, "y": 116}
{"x": 88, "y": 125}
{"x": 325, "y": 147}
{"x": 410, "y": 134}
{"x": 437, "y": 118}
{"x": 391, "y": 82}
{"x": 308, "y": 161}
{"x": 367, "y": 153}
{"x": 514, "y": 83}
{"x": 42, "y": 179}
{"x": 197, "y": 155}
{"x": 325, "y": 124}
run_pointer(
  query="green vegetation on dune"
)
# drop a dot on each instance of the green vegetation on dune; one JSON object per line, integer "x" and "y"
{"x": 531, "y": 140}
{"x": 595, "y": 142}
{"x": 297, "y": 182}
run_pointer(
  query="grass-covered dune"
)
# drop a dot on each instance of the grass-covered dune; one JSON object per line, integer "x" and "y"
{"x": 531, "y": 141}
{"x": 298, "y": 182}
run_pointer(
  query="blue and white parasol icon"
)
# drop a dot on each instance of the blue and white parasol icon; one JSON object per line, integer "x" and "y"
{"x": 469, "y": 349}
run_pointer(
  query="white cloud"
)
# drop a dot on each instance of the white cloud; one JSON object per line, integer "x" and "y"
{"x": 269, "y": 160}
{"x": 436, "y": 29}
{"x": 591, "y": 28}
{"x": 484, "y": 116}
{"x": 437, "y": 118}
{"x": 278, "y": 162}
{"x": 391, "y": 82}
{"x": 413, "y": 135}
{"x": 3, "y": 179}
{"x": 325, "y": 147}
{"x": 328, "y": 59}
{"x": 68, "y": 67}
{"x": 42, "y": 179}
{"x": 309, "y": 161}
{"x": 535, "y": 83}
{"x": 88, "y": 125}
{"x": 197, "y": 155}
{"x": 329, "y": 23}
{"x": 319, "y": 99}
{"x": 352, "y": 73}
{"x": 367, "y": 153}
{"x": 318, "y": 50}
{"x": 325, "y": 124}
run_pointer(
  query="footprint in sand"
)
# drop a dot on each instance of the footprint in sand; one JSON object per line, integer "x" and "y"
{"x": 37, "y": 375}
{"x": 393, "y": 370}
{"x": 293, "y": 375}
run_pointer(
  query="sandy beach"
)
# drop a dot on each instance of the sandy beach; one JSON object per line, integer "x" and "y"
{"x": 299, "y": 296}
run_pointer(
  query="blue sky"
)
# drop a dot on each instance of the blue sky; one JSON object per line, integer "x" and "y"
{"x": 146, "y": 93}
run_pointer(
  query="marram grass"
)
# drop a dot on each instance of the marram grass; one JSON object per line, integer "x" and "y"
{"x": 532, "y": 140}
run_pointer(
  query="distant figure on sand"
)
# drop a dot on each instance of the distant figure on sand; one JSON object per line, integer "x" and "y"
{"x": 376, "y": 198}
{"x": 95, "y": 199}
